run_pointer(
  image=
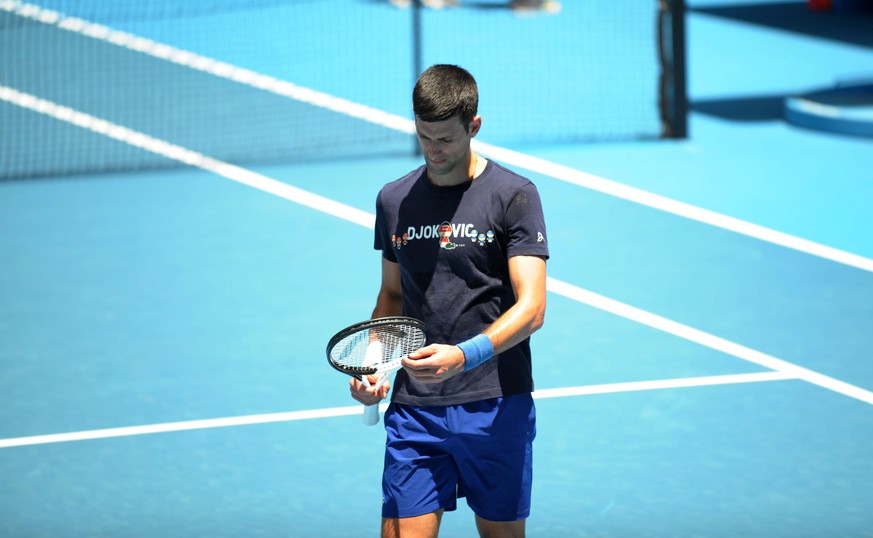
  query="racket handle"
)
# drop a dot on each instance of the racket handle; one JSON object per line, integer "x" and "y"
{"x": 371, "y": 412}
{"x": 371, "y": 415}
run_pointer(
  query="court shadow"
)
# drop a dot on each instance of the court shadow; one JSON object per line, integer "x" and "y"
{"x": 744, "y": 109}
{"x": 482, "y": 5}
{"x": 855, "y": 28}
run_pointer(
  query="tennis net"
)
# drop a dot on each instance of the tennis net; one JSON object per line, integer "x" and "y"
{"x": 261, "y": 80}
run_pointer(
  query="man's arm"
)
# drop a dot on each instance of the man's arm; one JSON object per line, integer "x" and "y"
{"x": 528, "y": 277}
{"x": 437, "y": 362}
{"x": 390, "y": 299}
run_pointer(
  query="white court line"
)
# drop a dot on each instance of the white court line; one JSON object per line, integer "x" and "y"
{"x": 186, "y": 156}
{"x": 356, "y": 410}
{"x": 706, "y": 339}
{"x": 405, "y": 125}
{"x": 675, "y": 207}
{"x": 365, "y": 219}
{"x": 675, "y": 383}
{"x": 179, "y": 426}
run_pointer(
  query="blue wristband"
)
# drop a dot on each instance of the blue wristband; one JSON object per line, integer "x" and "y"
{"x": 476, "y": 350}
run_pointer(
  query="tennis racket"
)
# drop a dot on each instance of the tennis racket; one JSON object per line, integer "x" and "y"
{"x": 375, "y": 347}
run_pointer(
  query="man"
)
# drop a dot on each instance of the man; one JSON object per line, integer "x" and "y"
{"x": 464, "y": 249}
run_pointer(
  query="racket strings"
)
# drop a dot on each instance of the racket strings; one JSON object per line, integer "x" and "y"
{"x": 368, "y": 349}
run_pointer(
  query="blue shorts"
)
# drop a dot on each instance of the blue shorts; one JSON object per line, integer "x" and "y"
{"x": 481, "y": 451}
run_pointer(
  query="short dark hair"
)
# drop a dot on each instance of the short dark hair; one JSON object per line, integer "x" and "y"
{"x": 443, "y": 91}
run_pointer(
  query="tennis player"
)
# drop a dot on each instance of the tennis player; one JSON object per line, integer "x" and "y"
{"x": 464, "y": 249}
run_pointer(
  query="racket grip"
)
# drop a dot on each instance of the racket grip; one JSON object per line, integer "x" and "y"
{"x": 371, "y": 415}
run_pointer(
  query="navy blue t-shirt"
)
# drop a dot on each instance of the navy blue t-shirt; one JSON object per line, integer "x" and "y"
{"x": 453, "y": 246}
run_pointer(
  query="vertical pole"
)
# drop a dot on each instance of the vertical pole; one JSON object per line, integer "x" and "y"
{"x": 680, "y": 88}
{"x": 417, "y": 67}
{"x": 674, "y": 98}
{"x": 416, "y": 39}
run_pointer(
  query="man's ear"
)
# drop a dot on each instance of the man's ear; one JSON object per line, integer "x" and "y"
{"x": 475, "y": 125}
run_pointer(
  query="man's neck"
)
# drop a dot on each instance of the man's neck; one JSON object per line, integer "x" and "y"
{"x": 475, "y": 166}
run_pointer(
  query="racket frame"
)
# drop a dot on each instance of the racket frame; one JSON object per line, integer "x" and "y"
{"x": 383, "y": 369}
{"x": 360, "y": 371}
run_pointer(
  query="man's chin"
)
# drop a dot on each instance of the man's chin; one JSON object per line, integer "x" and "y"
{"x": 441, "y": 168}
{"x": 434, "y": 171}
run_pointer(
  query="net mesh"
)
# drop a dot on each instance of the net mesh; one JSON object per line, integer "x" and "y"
{"x": 262, "y": 80}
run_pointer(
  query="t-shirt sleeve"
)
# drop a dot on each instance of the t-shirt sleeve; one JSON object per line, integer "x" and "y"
{"x": 381, "y": 240}
{"x": 526, "y": 224}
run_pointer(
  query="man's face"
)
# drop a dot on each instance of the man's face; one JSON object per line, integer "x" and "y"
{"x": 446, "y": 145}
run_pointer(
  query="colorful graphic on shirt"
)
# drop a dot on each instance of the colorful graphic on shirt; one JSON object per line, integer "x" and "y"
{"x": 399, "y": 240}
{"x": 483, "y": 238}
{"x": 448, "y": 235}
{"x": 445, "y": 232}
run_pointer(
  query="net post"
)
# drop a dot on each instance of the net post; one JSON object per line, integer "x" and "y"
{"x": 417, "y": 62}
{"x": 673, "y": 88}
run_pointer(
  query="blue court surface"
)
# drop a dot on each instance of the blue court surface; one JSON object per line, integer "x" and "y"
{"x": 705, "y": 370}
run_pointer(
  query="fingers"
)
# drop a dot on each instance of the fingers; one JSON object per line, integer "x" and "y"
{"x": 420, "y": 358}
{"x": 369, "y": 394}
{"x": 434, "y": 363}
{"x": 423, "y": 353}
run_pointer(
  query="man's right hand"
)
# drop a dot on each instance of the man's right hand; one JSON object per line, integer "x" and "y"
{"x": 369, "y": 395}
